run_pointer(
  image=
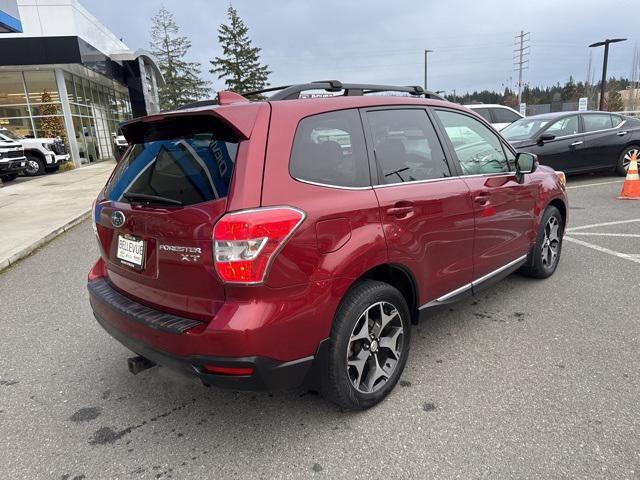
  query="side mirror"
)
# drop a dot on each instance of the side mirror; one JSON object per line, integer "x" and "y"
{"x": 545, "y": 137}
{"x": 525, "y": 163}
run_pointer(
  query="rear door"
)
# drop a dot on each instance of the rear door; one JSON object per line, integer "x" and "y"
{"x": 156, "y": 217}
{"x": 426, "y": 212}
{"x": 603, "y": 142}
{"x": 503, "y": 208}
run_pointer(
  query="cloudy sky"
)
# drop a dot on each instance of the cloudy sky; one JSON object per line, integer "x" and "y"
{"x": 384, "y": 41}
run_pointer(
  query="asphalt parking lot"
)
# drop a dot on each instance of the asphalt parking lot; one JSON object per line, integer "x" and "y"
{"x": 533, "y": 379}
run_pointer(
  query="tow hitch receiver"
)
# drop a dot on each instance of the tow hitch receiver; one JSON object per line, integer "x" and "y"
{"x": 138, "y": 364}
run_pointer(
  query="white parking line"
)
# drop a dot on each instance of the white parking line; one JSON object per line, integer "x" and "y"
{"x": 603, "y": 224}
{"x": 594, "y": 184}
{"x": 632, "y": 258}
{"x": 634, "y": 235}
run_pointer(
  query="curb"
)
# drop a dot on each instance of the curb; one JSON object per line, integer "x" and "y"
{"x": 25, "y": 252}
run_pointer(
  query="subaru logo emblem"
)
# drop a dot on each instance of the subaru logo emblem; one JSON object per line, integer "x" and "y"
{"x": 117, "y": 219}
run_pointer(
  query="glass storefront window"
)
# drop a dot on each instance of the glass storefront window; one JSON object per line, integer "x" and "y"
{"x": 14, "y": 111}
{"x": 12, "y": 89}
{"x": 49, "y": 127}
{"x": 46, "y": 109}
{"x": 87, "y": 91}
{"x": 21, "y": 126}
{"x": 41, "y": 86}
{"x": 71, "y": 89}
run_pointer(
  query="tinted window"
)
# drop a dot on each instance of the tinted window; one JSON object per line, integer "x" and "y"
{"x": 406, "y": 146}
{"x": 597, "y": 121}
{"x": 478, "y": 149}
{"x": 484, "y": 113}
{"x": 329, "y": 148}
{"x": 564, "y": 126}
{"x": 188, "y": 169}
{"x": 503, "y": 115}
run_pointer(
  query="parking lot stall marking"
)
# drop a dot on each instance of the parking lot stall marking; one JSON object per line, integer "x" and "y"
{"x": 594, "y": 184}
{"x": 584, "y": 227}
{"x": 601, "y": 234}
{"x": 626, "y": 256}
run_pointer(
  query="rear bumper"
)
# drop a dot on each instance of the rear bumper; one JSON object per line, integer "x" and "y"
{"x": 124, "y": 319}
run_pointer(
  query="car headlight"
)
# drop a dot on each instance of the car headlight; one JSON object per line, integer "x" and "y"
{"x": 47, "y": 146}
{"x": 562, "y": 178}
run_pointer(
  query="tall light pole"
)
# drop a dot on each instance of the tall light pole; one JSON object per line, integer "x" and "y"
{"x": 604, "y": 65}
{"x": 425, "y": 67}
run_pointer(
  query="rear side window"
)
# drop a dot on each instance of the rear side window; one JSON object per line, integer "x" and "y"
{"x": 406, "y": 146}
{"x": 329, "y": 148}
{"x": 184, "y": 170}
{"x": 484, "y": 113}
{"x": 503, "y": 115}
{"x": 597, "y": 121}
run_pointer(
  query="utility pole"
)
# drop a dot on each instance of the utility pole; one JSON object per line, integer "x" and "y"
{"x": 425, "y": 67}
{"x": 604, "y": 64}
{"x": 520, "y": 61}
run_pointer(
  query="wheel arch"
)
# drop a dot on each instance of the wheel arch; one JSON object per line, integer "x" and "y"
{"x": 561, "y": 206}
{"x": 36, "y": 153}
{"x": 399, "y": 277}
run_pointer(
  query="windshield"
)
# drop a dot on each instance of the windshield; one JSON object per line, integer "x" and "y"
{"x": 184, "y": 170}
{"x": 9, "y": 134}
{"x": 524, "y": 128}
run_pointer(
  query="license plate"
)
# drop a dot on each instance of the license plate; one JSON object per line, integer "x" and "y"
{"x": 130, "y": 251}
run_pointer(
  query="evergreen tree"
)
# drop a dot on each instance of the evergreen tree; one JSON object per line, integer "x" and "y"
{"x": 240, "y": 62}
{"x": 52, "y": 126}
{"x": 613, "y": 100}
{"x": 569, "y": 90}
{"x": 183, "y": 83}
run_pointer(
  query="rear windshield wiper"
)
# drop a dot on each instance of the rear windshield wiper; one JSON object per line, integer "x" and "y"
{"x": 145, "y": 198}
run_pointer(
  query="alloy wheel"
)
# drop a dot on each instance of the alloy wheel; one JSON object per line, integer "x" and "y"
{"x": 627, "y": 157}
{"x": 32, "y": 167}
{"x": 551, "y": 242}
{"x": 375, "y": 347}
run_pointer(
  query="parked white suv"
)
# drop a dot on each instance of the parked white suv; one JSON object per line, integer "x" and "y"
{"x": 499, "y": 116}
{"x": 43, "y": 154}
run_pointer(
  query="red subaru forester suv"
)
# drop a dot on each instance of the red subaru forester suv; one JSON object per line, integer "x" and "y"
{"x": 295, "y": 240}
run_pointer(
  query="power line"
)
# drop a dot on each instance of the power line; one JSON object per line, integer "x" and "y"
{"x": 521, "y": 62}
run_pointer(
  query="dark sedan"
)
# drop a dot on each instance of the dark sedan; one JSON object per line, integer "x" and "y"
{"x": 577, "y": 142}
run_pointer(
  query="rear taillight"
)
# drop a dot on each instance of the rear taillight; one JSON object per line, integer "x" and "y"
{"x": 246, "y": 242}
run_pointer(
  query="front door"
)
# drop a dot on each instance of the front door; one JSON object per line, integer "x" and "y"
{"x": 566, "y": 152}
{"x": 427, "y": 216}
{"x": 503, "y": 208}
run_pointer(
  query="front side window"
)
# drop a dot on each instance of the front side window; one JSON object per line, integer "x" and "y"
{"x": 484, "y": 113}
{"x": 564, "y": 126}
{"x": 478, "y": 149}
{"x": 184, "y": 170}
{"x": 329, "y": 148}
{"x": 406, "y": 146}
{"x": 597, "y": 121}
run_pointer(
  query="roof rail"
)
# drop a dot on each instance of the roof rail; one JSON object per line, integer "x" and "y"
{"x": 292, "y": 92}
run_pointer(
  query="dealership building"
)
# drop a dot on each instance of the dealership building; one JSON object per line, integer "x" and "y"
{"x": 59, "y": 65}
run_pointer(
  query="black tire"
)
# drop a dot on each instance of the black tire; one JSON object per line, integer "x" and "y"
{"x": 35, "y": 166}
{"x": 9, "y": 177}
{"x": 371, "y": 296}
{"x": 52, "y": 168}
{"x": 536, "y": 266}
{"x": 621, "y": 166}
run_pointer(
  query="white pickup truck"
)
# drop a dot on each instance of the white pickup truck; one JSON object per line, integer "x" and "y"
{"x": 43, "y": 154}
{"x": 12, "y": 160}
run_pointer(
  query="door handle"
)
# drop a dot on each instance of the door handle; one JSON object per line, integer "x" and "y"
{"x": 620, "y": 134}
{"x": 399, "y": 211}
{"x": 482, "y": 198}
{"x": 575, "y": 144}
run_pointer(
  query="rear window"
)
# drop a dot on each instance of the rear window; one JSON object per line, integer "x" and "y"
{"x": 185, "y": 170}
{"x": 329, "y": 148}
{"x": 484, "y": 113}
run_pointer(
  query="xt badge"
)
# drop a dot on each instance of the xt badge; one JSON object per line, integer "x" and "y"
{"x": 187, "y": 254}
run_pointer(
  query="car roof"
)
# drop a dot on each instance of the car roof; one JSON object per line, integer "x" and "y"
{"x": 485, "y": 105}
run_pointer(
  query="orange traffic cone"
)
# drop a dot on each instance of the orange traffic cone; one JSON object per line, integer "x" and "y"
{"x": 631, "y": 186}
